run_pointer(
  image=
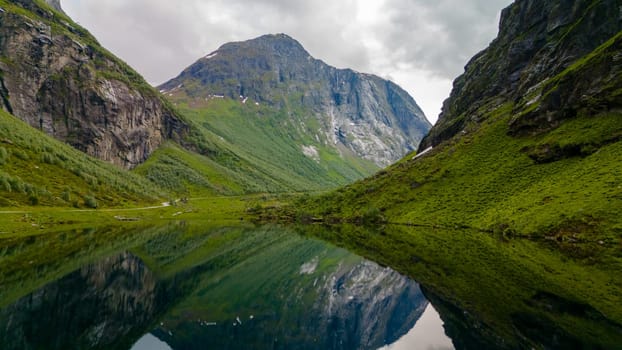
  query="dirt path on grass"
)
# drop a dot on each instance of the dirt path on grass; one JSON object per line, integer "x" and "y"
{"x": 163, "y": 205}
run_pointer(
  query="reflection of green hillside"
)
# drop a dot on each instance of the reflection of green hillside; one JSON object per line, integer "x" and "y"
{"x": 257, "y": 275}
{"x": 518, "y": 293}
{"x": 28, "y": 263}
{"x": 87, "y": 283}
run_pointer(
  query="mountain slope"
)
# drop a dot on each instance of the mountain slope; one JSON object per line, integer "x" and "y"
{"x": 55, "y": 76}
{"x": 256, "y": 148}
{"x": 539, "y": 156}
{"x": 36, "y": 169}
{"x": 356, "y": 114}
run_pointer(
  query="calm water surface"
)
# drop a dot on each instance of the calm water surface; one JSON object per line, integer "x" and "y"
{"x": 229, "y": 288}
{"x": 199, "y": 286}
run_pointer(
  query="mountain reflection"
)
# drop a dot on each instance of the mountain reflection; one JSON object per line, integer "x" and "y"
{"x": 234, "y": 288}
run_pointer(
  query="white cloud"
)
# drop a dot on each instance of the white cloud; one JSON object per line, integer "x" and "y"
{"x": 422, "y": 45}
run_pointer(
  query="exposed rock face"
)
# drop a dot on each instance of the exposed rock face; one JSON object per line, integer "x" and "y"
{"x": 56, "y": 77}
{"x": 369, "y": 305}
{"x": 537, "y": 41}
{"x": 55, "y": 5}
{"x": 96, "y": 307}
{"x": 372, "y": 117}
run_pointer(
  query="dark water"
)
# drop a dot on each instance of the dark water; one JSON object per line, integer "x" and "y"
{"x": 188, "y": 286}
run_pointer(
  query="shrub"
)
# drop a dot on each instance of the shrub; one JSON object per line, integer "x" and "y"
{"x": 90, "y": 202}
{"x": 17, "y": 185}
{"x": 20, "y": 154}
{"x": 48, "y": 158}
{"x": 4, "y": 156}
{"x": 33, "y": 199}
{"x": 5, "y": 184}
{"x": 66, "y": 196}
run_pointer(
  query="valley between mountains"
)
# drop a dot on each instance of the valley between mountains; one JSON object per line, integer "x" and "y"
{"x": 520, "y": 178}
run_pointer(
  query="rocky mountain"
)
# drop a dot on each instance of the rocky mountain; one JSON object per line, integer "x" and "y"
{"x": 55, "y": 76}
{"x": 528, "y": 142}
{"x": 357, "y": 113}
{"x": 537, "y": 41}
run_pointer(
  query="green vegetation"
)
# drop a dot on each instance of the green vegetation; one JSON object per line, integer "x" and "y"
{"x": 487, "y": 180}
{"x": 500, "y": 282}
{"x": 19, "y": 222}
{"x": 219, "y": 271}
{"x": 248, "y": 149}
{"x": 38, "y": 170}
{"x": 29, "y": 262}
{"x": 561, "y": 180}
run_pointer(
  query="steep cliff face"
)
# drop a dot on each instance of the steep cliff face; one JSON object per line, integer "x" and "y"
{"x": 537, "y": 41}
{"x": 55, "y": 76}
{"x": 529, "y": 140}
{"x": 361, "y": 113}
{"x": 97, "y": 307}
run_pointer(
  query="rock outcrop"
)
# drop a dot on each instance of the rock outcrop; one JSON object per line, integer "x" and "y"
{"x": 368, "y": 305}
{"x": 55, "y": 4}
{"x": 371, "y": 117}
{"x": 100, "y": 306}
{"x": 537, "y": 42}
{"x": 55, "y": 76}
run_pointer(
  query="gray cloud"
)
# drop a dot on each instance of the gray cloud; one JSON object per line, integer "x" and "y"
{"x": 417, "y": 42}
{"x": 442, "y": 36}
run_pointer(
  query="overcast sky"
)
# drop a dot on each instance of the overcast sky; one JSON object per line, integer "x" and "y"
{"x": 422, "y": 45}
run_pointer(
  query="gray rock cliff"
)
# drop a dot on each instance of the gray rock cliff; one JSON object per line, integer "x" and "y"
{"x": 537, "y": 41}
{"x": 56, "y": 77}
{"x": 369, "y": 116}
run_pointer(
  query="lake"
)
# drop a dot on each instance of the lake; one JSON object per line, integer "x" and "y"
{"x": 206, "y": 285}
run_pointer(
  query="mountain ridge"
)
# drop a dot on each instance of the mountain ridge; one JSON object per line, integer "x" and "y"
{"x": 373, "y": 118}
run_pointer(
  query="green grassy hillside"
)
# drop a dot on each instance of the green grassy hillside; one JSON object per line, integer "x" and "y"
{"x": 487, "y": 180}
{"x": 562, "y": 181}
{"x": 38, "y": 170}
{"x": 245, "y": 148}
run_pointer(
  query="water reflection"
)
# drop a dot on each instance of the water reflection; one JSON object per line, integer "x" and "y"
{"x": 428, "y": 333}
{"x": 234, "y": 288}
{"x": 187, "y": 286}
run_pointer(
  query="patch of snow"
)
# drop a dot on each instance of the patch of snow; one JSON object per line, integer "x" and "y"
{"x": 211, "y": 55}
{"x": 308, "y": 268}
{"x": 238, "y": 319}
{"x": 534, "y": 100}
{"x": 427, "y": 150}
{"x": 311, "y": 152}
{"x": 256, "y": 103}
{"x": 244, "y": 100}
